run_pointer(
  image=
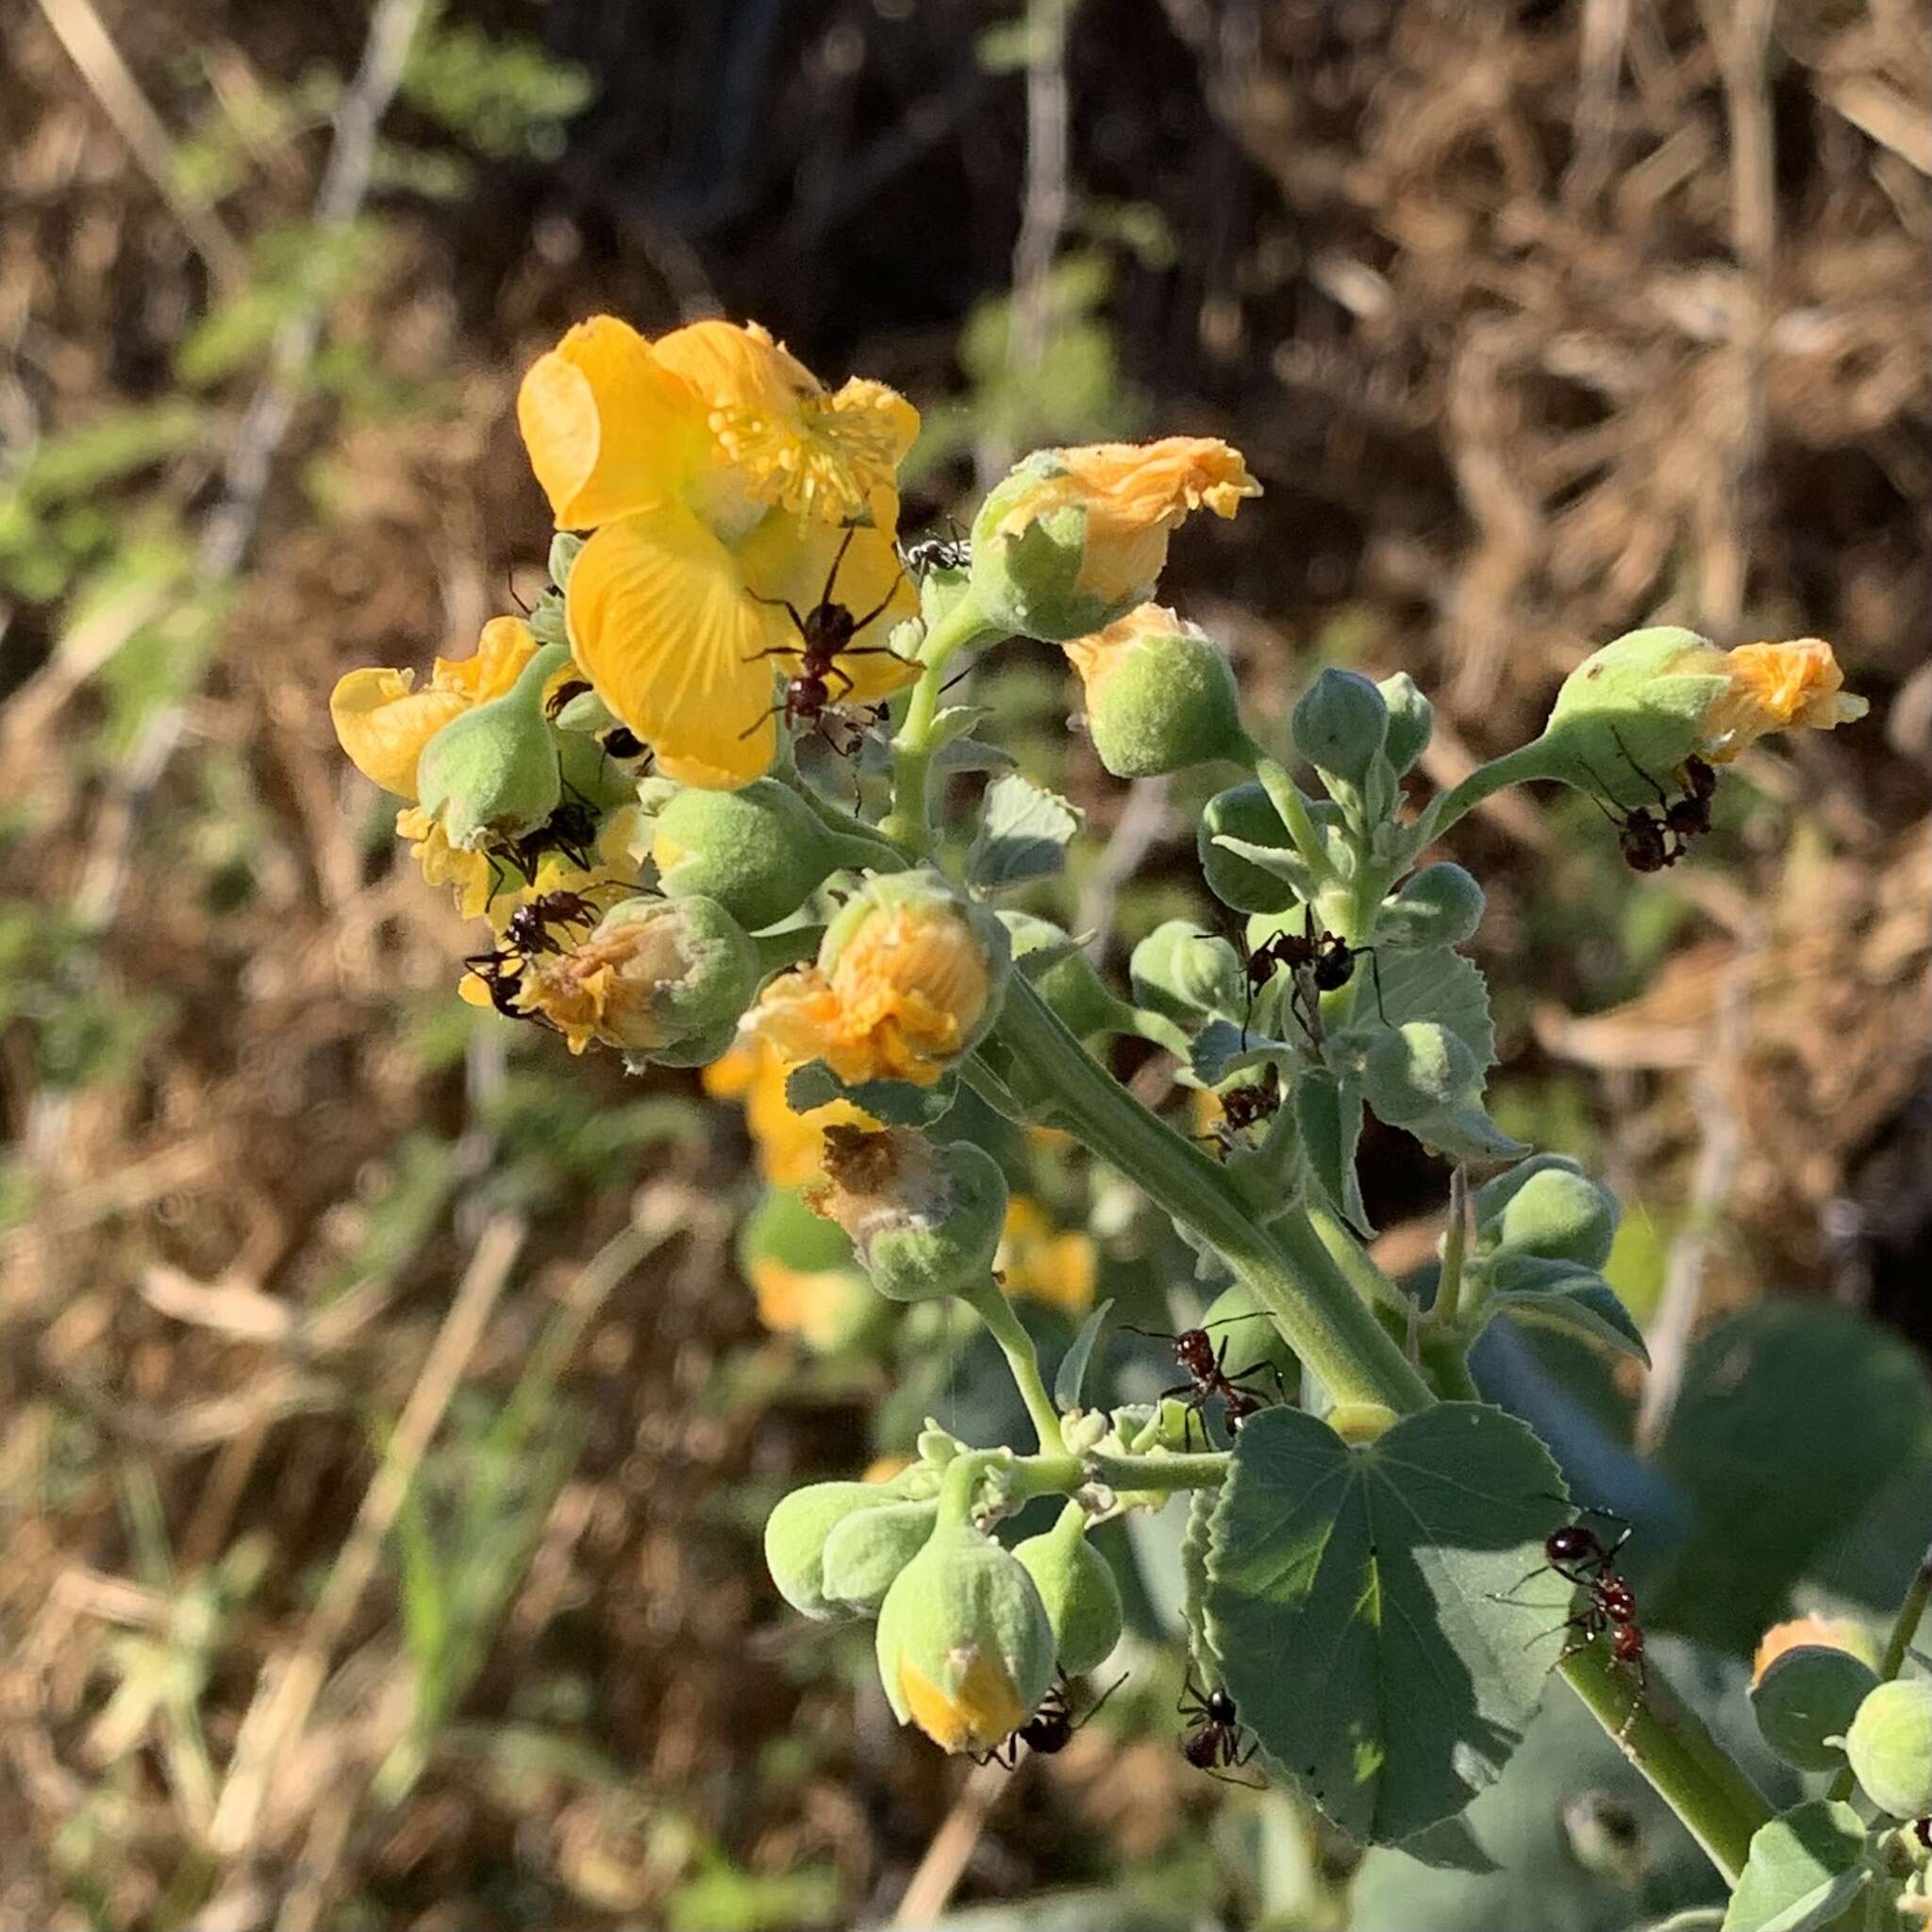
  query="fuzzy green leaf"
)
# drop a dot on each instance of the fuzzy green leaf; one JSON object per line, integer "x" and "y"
{"x": 1328, "y": 1112}
{"x": 1071, "y": 1371}
{"x": 1024, "y": 835}
{"x": 1433, "y": 983}
{"x": 1805, "y": 1867}
{"x": 1560, "y": 1294}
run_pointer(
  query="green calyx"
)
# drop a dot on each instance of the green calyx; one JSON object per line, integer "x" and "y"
{"x": 1187, "y": 976}
{"x": 1439, "y": 905}
{"x": 1890, "y": 1748}
{"x": 866, "y": 1550}
{"x": 1340, "y": 724}
{"x": 1630, "y": 714}
{"x": 1546, "y": 1207}
{"x": 491, "y": 773}
{"x": 923, "y": 1220}
{"x": 685, "y": 971}
{"x": 1423, "y": 1077}
{"x": 1411, "y": 721}
{"x": 1245, "y": 815}
{"x": 1807, "y": 1701}
{"x": 759, "y": 852}
{"x": 797, "y": 1533}
{"x": 1025, "y": 581}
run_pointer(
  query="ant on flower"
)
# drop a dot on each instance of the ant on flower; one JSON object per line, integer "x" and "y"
{"x": 1051, "y": 1728}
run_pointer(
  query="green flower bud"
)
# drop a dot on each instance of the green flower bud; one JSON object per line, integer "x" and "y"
{"x": 1070, "y": 986}
{"x": 1186, "y": 975}
{"x": 1411, "y": 721}
{"x": 964, "y": 1648}
{"x": 595, "y": 778}
{"x": 1555, "y": 1213}
{"x": 1809, "y": 1694}
{"x": 1245, "y": 812}
{"x": 760, "y": 852}
{"x": 1077, "y": 1587}
{"x": 1237, "y": 1314}
{"x": 564, "y": 555}
{"x": 1441, "y": 905}
{"x": 1423, "y": 1077}
{"x": 1340, "y": 725}
{"x": 586, "y": 714}
{"x": 491, "y": 773}
{"x": 867, "y": 1550}
{"x": 795, "y": 1536}
{"x": 924, "y": 1221}
{"x": 1160, "y": 692}
{"x": 1890, "y": 1748}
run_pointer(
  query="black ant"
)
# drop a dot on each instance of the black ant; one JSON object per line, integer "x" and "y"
{"x": 1247, "y": 1105}
{"x": 1318, "y": 962}
{"x": 527, "y": 934}
{"x": 571, "y": 831}
{"x": 825, "y": 633}
{"x": 939, "y": 552}
{"x": 1214, "y": 1734}
{"x": 619, "y": 742}
{"x": 1051, "y": 1728}
{"x": 1652, "y": 840}
{"x": 1207, "y": 1377}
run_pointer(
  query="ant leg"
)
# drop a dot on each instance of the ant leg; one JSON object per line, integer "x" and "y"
{"x": 860, "y": 624}
{"x": 836, "y": 669}
{"x": 1375, "y": 975}
{"x": 1267, "y": 1368}
{"x": 1664, "y": 797}
{"x": 838, "y": 558}
{"x": 789, "y": 608}
{"x": 758, "y": 720}
{"x": 776, "y": 650}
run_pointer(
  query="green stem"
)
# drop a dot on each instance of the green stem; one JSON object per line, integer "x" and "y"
{"x": 777, "y": 950}
{"x": 1006, "y": 1327}
{"x": 1668, "y": 1743}
{"x": 1061, "y": 1475}
{"x": 1292, "y": 809}
{"x": 1449, "y": 1284}
{"x": 910, "y": 822}
{"x": 1513, "y": 768}
{"x": 1292, "y": 1275}
{"x": 1904, "y": 1628}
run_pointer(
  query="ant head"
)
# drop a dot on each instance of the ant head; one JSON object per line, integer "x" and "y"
{"x": 1194, "y": 1349}
{"x": 1572, "y": 1544}
{"x": 1221, "y": 1707}
{"x": 1642, "y": 842}
{"x": 828, "y": 629}
{"x": 1700, "y": 779}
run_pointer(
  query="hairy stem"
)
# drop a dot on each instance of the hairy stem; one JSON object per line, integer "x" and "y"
{"x": 1005, "y": 1329}
{"x": 1904, "y": 1628}
{"x": 910, "y": 822}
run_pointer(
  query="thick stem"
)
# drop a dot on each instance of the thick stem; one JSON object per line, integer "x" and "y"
{"x": 1006, "y": 1327}
{"x": 1292, "y": 1275}
{"x": 1061, "y": 1475}
{"x": 1668, "y": 1743}
{"x": 910, "y": 822}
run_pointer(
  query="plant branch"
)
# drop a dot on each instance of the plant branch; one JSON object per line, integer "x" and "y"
{"x": 1006, "y": 1327}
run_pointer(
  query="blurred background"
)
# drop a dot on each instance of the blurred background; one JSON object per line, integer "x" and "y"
{"x": 388, "y": 1416}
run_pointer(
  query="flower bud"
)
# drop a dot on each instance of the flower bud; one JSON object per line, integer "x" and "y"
{"x": 1411, "y": 721}
{"x": 1077, "y": 1586}
{"x": 1159, "y": 694}
{"x": 1186, "y": 975}
{"x": 1834, "y": 1633}
{"x": 1340, "y": 724}
{"x": 1074, "y": 538}
{"x": 760, "y": 853}
{"x": 923, "y": 1220}
{"x": 965, "y": 1650}
{"x": 1245, "y": 812}
{"x": 492, "y": 772}
{"x": 1809, "y": 1693}
{"x": 907, "y": 978}
{"x": 1555, "y": 1213}
{"x": 1070, "y": 986}
{"x": 1890, "y": 1748}
{"x": 867, "y": 1550}
{"x": 1439, "y": 905}
{"x": 660, "y": 977}
{"x": 795, "y": 1536}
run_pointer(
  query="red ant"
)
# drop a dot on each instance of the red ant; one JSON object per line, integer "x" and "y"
{"x": 527, "y": 934}
{"x": 1214, "y": 1734}
{"x": 1051, "y": 1728}
{"x": 825, "y": 633}
{"x": 1247, "y": 1105}
{"x": 1580, "y": 1556}
{"x": 1207, "y": 1377}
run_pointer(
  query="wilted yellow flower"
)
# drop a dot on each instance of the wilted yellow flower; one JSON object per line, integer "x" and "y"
{"x": 1136, "y": 494}
{"x": 903, "y": 997}
{"x": 791, "y": 1146}
{"x": 717, "y": 476}
{"x": 1832, "y": 1633}
{"x": 482, "y": 886}
{"x": 1773, "y": 688}
{"x": 1040, "y": 1262}
{"x": 383, "y": 721}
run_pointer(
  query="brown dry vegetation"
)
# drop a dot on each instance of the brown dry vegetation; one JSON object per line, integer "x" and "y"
{"x": 1538, "y": 323}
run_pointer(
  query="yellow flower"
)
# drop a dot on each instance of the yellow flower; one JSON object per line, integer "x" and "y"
{"x": 816, "y": 1304}
{"x": 483, "y": 888}
{"x": 1136, "y": 494}
{"x": 985, "y": 1710}
{"x": 1773, "y": 688}
{"x": 1832, "y": 1633}
{"x": 1038, "y": 1262}
{"x": 383, "y": 721}
{"x": 902, "y": 998}
{"x": 791, "y": 1146}
{"x": 719, "y": 479}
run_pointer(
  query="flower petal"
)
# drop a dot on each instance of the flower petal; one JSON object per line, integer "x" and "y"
{"x": 608, "y": 428}
{"x": 1773, "y": 688}
{"x": 505, "y": 647}
{"x": 661, "y": 623}
{"x": 383, "y": 724}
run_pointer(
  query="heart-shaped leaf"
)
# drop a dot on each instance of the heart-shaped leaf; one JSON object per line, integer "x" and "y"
{"x": 1352, "y": 1607}
{"x": 1805, "y": 1867}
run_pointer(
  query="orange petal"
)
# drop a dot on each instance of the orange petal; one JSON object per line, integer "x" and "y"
{"x": 664, "y": 630}
{"x": 608, "y": 428}
{"x": 383, "y": 724}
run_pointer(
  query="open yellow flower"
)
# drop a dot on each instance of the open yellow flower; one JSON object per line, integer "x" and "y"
{"x": 900, "y": 1001}
{"x": 791, "y": 1146}
{"x": 1038, "y": 1262}
{"x": 719, "y": 479}
{"x": 1773, "y": 688}
{"x": 383, "y": 721}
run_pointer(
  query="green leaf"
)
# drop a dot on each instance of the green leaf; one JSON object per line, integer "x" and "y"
{"x": 1287, "y": 866}
{"x": 1561, "y": 1295}
{"x": 1351, "y": 1605}
{"x": 1806, "y": 1866}
{"x": 1792, "y": 1418}
{"x": 954, "y": 721}
{"x": 1433, "y": 983}
{"x": 894, "y": 1103}
{"x": 971, "y": 755}
{"x": 1220, "y": 1048}
{"x": 1024, "y": 835}
{"x": 1071, "y": 1371}
{"x": 1329, "y": 1110}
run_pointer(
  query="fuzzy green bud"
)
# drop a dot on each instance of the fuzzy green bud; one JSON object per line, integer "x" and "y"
{"x": 1077, "y": 1586}
{"x": 1555, "y": 1213}
{"x": 1252, "y": 1339}
{"x": 1423, "y": 1077}
{"x": 1411, "y": 721}
{"x": 867, "y": 1550}
{"x": 1890, "y": 1748}
{"x": 759, "y": 852}
{"x": 1811, "y": 1693}
{"x": 1340, "y": 724}
{"x": 923, "y": 1220}
{"x": 1245, "y": 812}
{"x": 564, "y": 549}
{"x": 1069, "y": 985}
{"x": 1159, "y": 694}
{"x": 965, "y": 1650}
{"x": 491, "y": 773}
{"x": 1439, "y": 905}
{"x": 1632, "y": 712}
{"x": 1186, "y": 975}
{"x": 795, "y": 1537}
